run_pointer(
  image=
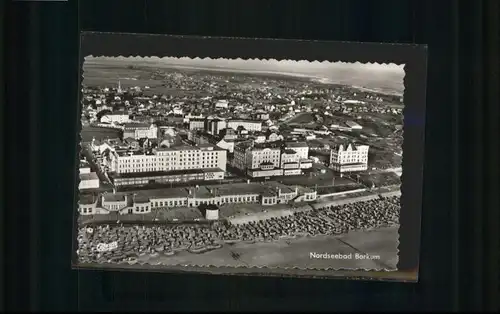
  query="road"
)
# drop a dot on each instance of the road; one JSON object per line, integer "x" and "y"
{"x": 396, "y": 170}
{"x": 93, "y": 165}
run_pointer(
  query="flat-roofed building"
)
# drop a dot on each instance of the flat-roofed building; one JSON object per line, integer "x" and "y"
{"x": 265, "y": 172}
{"x": 249, "y": 125}
{"x": 165, "y": 177}
{"x": 203, "y": 156}
{"x": 140, "y": 130}
{"x": 88, "y": 181}
{"x": 84, "y": 167}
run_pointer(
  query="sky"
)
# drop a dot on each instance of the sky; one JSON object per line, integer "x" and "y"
{"x": 388, "y": 77}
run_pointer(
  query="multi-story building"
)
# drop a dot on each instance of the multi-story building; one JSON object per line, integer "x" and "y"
{"x": 203, "y": 156}
{"x": 263, "y": 161}
{"x": 263, "y": 154}
{"x": 290, "y": 162}
{"x": 116, "y": 117}
{"x": 248, "y": 155}
{"x": 140, "y": 130}
{"x": 249, "y": 125}
{"x": 349, "y": 158}
{"x": 196, "y": 124}
{"x": 240, "y": 154}
{"x": 271, "y": 159}
{"x": 302, "y": 150}
{"x": 215, "y": 126}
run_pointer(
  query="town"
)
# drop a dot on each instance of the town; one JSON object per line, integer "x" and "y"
{"x": 243, "y": 157}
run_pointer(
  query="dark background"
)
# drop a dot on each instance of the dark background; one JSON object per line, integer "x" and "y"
{"x": 459, "y": 263}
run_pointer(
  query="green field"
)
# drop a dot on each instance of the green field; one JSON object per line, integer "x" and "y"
{"x": 301, "y": 118}
{"x": 380, "y": 179}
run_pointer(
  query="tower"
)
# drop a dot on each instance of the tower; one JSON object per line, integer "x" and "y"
{"x": 119, "y": 87}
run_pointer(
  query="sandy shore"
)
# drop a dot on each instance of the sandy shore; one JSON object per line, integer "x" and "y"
{"x": 296, "y": 252}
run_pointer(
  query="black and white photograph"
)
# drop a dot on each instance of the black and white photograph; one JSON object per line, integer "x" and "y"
{"x": 240, "y": 163}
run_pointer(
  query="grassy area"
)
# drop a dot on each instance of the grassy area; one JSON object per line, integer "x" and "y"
{"x": 383, "y": 159}
{"x": 314, "y": 177}
{"x": 301, "y": 118}
{"x": 231, "y": 210}
{"x": 380, "y": 179}
{"x": 182, "y": 213}
{"x": 339, "y": 188}
{"x": 90, "y": 132}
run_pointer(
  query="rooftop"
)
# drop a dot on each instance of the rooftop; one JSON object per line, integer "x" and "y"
{"x": 272, "y": 145}
{"x": 114, "y": 197}
{"x": 303, "y": 189}
{"x": 165, "y": 193}
{"x": 135, "y": 125}
{"x": 245, "y": 121}
{"x": 289, "y": 151}
{"x": 140, "y": 198}
{"x": 187, "y": 148}
{"x": 130, "y": 140}
{"x": 88, "y": 176}
{"x": 239, "y": 188}
{"x": 296, "y": 144}
{"x": 282, "y": 187}
{"x": 87, "y": 199}
{"x": 201, "y": 191}
{"x": 118, "y": 113}
{"x": 345, "y": 146}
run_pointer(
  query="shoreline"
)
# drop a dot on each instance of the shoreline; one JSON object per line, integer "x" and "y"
{"x": 286, "y": 252}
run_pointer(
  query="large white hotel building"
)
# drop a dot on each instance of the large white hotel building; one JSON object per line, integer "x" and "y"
{"x": 349, "y": 158}
{"x": 268, "y": 160}
{"x": 203, "y": 156}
